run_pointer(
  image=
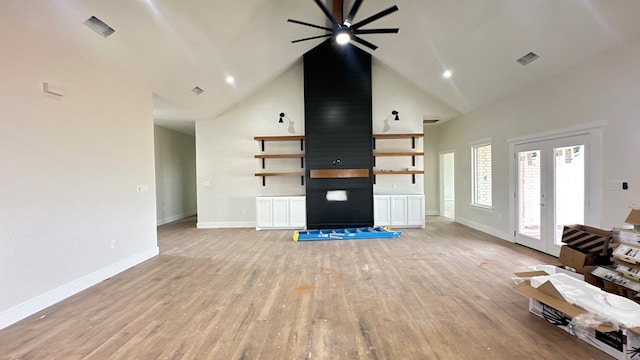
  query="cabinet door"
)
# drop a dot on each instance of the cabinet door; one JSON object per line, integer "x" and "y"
{"x": 280, "y": 212}
{"x": 381, "y": 214}
{"x": 398, "y": 210}
{"x": 415, "y": 210}
{"x": 297, "y": 212}
{"x": 264, "y": 214}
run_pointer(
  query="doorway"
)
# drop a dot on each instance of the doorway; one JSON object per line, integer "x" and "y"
{"x": 550, "y": 190}
{"x": 447, "y": 185}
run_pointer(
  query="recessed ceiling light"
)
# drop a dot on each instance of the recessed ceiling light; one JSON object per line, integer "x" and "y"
{"x": 230, "y": 79}
{"x": 99, "y": 26}
{"x": 197, "y": 90}
{"x": 447, "y": 74}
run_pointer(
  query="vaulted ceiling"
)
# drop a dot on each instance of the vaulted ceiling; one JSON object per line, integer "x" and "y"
{"x": 175, "y": 45}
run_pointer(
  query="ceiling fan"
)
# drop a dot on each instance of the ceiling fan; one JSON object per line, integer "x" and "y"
{"x": 348, "y": 30}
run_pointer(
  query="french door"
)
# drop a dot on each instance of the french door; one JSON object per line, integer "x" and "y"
{"x": 551, "y": 190}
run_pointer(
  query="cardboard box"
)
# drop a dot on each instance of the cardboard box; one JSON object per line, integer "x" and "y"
{"x": 633, "y": 344}
{"x": 633, "y": 217}
{"x": 546, "y": 302}
{"x": 578, "y": 260}
{"x": 587, "y": 239}
{"x": 616, "y": 278}
{"x": 630, "y": 236}
{"x": 628, "y": 253}
{"x": 632, "y": 273}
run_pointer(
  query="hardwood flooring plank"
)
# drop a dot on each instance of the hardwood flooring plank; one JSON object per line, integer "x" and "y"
{"x": 443, "y": 292}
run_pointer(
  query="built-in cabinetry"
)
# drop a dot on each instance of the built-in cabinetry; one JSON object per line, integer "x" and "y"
{"x": 280, "y": 212}
{"x": 398, "y": 210}
{"x": 264, "y": 156}
{"x": 413, "y": 154}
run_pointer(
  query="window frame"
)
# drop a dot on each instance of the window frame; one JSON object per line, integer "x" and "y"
{"x": 474, "y": 146}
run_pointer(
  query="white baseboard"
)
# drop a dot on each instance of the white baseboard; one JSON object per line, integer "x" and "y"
{"x": 485, "y": 229}
{"x": 32, "y": 306}
{"x": 175, "y": 217}
{"x": 226, "y": 225}
{"x": 433, "y": 212}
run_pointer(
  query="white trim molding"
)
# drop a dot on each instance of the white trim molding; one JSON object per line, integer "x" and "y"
{"x": 32, "y": 306}
{"x": 485, "y": 229}
{"x": 225, "y": 225}
{"x": 175, "y": 217}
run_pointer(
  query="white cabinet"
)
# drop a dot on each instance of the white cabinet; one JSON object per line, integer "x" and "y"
{"x": 398, "y": 210}
{"x": 381, "y": 210}
{"x": 280, "y": 212}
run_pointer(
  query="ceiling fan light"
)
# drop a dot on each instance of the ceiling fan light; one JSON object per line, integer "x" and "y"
{"x": 343, "y": 38}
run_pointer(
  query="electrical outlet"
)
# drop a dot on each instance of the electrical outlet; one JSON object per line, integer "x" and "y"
{"x": 113, "y": 244}
{"x": 244, "y": 211}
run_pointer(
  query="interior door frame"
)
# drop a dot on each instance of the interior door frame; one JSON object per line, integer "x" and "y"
{"x": 441, "y": 186}
{"x": 594, "y": 177}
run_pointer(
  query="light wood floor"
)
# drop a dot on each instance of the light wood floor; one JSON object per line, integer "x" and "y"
{"x": 444, "y": 292}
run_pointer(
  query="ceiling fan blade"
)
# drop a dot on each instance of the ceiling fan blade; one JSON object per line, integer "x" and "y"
{"x": 376, "y": 31}
{"x": 311, "y": 25}
{"x": 353, "y": 11}
{"x": 364, "y": 42}
{"x": 311, "y": 38}
{"x": 375, "y": 17}
{"x": 327, "y": 13}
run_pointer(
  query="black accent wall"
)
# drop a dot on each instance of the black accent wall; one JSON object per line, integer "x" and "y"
{"x": 338, "y": 126}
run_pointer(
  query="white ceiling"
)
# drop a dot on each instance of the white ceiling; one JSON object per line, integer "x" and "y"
{"x": 175, "y": 45}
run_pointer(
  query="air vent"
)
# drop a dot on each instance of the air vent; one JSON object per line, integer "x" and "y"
{"x": 430, "y": 119}
{"x": 197, "y": 90}
{"x": 528, "y": 58}
{"x": 99, "y": 26}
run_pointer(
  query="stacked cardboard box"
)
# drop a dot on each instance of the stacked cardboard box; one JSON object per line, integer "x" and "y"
{"x": 585, "y": 246}
{"x": 623, "y": 276}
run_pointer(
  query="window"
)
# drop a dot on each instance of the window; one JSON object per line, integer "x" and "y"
{"x": 481, "y": 174}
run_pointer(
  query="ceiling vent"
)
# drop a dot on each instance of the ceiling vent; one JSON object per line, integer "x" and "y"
{"x": 197, "y": 90}
{"x": 527, "y": 58}
{"x": 99, "y": 26}
{"x": 430, "y": 119}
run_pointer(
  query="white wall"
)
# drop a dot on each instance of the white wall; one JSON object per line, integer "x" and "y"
{"x": 431, "y": 170}
{"x": 70, "y": 215}
{"x": 225, "y": 146}
{"x": 603, "y": 89}
{"x": 175, "y": 155}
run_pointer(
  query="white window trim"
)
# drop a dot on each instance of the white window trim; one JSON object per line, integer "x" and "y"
{"x": 472, "y": 145}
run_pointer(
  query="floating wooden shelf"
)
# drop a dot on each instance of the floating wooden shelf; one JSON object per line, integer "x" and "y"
{"x": 279, "y": 138}
{"x": 279, "y": 156}
{"x": 413, "y": 174}
{"x": 397, "y": 136}
{"x": 413, "y": 155}
{"x": 264, "y": 175}
{"x": 405, "y": 153}
{"x": 296, "y": 173}
{"x": 262, "y": 139}
{"x": 398, "y": 172}
{"x": 338, "y": 173}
